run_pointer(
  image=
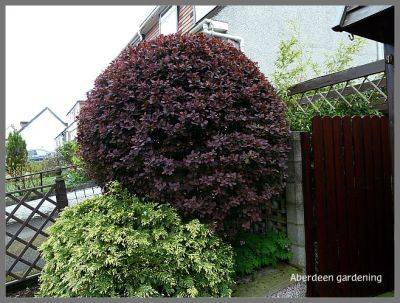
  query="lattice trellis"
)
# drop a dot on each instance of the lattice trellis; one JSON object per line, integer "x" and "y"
{"x": 20, "y": 240}
{"x": 29, "y": 212}
{"x": 365, "y": 83}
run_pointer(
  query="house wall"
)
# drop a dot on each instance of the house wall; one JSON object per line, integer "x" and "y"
{"x": 40, "y": 133}
{"x": 185, "y": 22}
{"x": 72, "y": 132}
{"x": 185, "y": 18}
{"x": 73, "y": 113}
{"x": 60, "y": 140}
{"x": 153, "y": 32}
{"x": 263, "y": 27}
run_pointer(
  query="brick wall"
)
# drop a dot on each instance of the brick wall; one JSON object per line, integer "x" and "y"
{"x": 153, "y": 32}
{"x": 185, "y": 22}
{"x": 185, "y": 18}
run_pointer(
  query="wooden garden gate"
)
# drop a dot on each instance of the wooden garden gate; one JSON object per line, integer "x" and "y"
{"x": 348, "y": 206}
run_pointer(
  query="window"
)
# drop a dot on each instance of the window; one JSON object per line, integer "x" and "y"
{"x": 202, "y": 10}
{"x": 169, "y": 21}
{"x": 380, "y": 51}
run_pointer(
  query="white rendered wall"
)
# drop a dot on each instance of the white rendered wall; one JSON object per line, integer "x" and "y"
{"x": 41, "y": 133}
{"x": 263, "y": 27}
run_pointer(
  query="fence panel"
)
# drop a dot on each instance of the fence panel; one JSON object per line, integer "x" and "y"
{"x": 348, "y": 202}
{"x": 366, "y": 82}
{"x": 309, "y": 211}
{"x": 25, "y": 231}
{"x": 29, "y": 211}
{"x": 17, "y": 184}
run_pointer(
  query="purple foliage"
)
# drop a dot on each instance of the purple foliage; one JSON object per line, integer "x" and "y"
{"x": 191, "y": 121}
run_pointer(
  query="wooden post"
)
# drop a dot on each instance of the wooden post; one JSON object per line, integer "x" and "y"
{"x": 61, "y": 191}
{"x": 308, "y": 211}
{"x": 41, "y": 180}
{"x": 389, "y": 66}
{"x": 389, "y": 60}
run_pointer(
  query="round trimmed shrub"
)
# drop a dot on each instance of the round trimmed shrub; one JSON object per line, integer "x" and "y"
{"x": 117, "y": 246}
{"x": 191, "y": 121}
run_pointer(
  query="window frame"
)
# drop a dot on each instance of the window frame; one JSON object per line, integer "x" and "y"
{"x": 164, "y": 14}
{"x": 196, "y": 19}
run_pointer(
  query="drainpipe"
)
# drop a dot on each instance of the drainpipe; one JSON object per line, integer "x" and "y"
{"x": 140, "y": 35}
{"x": 133, "y": 40}
{"x": 207, "y": 27}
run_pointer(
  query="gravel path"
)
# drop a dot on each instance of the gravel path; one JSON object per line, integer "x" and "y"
{"x": 296, "y": 290}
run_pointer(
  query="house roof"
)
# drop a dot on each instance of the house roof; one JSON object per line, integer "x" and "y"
{"x": 79, "y": 101}
{"x": 38, "y": 115}
{"x": 150, "y": 20}
{"x": 374, "y": 22}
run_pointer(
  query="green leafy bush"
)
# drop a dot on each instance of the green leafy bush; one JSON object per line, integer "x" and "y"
{"x": 68, "y": 151}
{"x": 117, "y": 246}
{"x": 50, "y": 162}
{"x": 253, "y": 251}
{"x": 294, "y": 65}
{"x": 300, "y": 120}
{"x": 77, "y": 175}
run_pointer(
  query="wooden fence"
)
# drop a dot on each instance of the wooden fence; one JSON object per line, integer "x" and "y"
{"x": 366, "y": 82}
{"x": 36, "y": 179}
{"x": 348, "y": 205}
{"x": 32, "y": 211}
{"x": 24, "y": 251}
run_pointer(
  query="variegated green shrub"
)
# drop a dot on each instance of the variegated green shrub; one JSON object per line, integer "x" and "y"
{"x": 118, "y": 246}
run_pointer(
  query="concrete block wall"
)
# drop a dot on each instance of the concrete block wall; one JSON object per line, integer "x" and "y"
{"x": 294, "y": 203}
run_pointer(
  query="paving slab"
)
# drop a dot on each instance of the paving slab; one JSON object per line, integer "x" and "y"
{"x": 47, "y": 207}
{"x": 267, "y": 282}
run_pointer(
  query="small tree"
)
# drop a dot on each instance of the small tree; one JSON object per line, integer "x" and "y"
{"x": 17, "y": 155}
{"x": 68, "y": 151}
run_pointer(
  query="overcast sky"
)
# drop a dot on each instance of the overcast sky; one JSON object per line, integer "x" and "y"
{"x": 54, "y": 53}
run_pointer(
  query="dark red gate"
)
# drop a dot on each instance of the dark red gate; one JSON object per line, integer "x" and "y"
{"x": 348, "y": 202}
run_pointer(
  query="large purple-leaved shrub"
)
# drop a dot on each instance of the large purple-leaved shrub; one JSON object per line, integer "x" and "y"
{"x": 191, "y": 121}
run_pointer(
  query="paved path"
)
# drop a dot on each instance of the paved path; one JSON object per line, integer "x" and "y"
{"x": 270, "y": 282}
{"x": 47, "y": 207}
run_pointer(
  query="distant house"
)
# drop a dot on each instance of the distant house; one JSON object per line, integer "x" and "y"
{"x": 40, "y": 131}
{"x": 256, "y": 29}
{"x": 69, "y": 133}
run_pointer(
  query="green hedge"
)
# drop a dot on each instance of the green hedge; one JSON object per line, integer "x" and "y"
{"x": 118, "y": 246}
{"x": 253, "y": 251}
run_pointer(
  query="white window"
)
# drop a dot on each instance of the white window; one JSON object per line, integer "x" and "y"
{"x": 380, "y": 51}
{"x": 169, "y": 21}
{"x": 201, "y": 10}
